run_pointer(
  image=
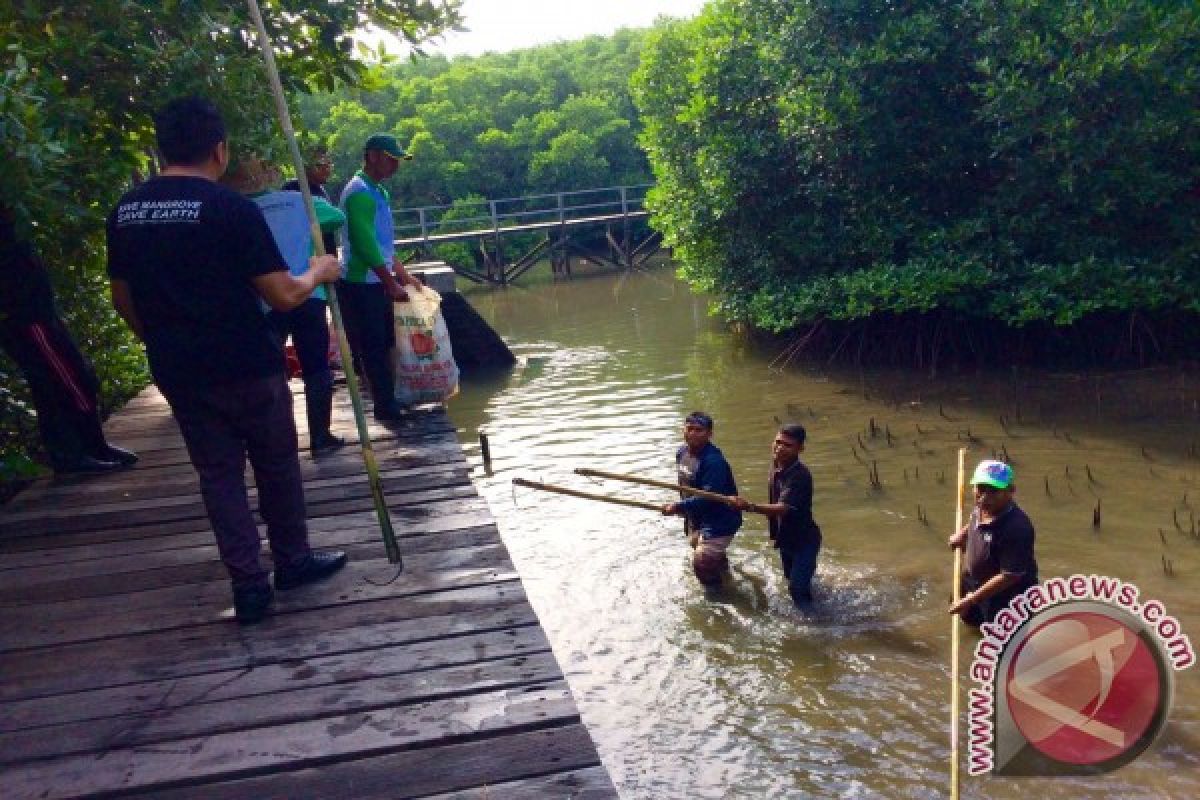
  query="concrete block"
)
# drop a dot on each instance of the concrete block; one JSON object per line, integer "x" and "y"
{"x": 437, "y": 275}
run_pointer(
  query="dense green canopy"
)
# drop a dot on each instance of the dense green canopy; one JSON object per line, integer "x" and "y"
{"x": 504, "y": 125}
{"x": 1019, "y": 161}
{"x": 551, "y": 118}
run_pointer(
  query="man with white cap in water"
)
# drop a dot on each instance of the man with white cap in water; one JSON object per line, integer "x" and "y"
{"x": 999, "y": 562}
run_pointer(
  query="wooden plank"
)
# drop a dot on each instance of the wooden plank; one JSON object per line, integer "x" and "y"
{"x": 424, "y": 518}
{"x": 537, "y": 755}
{"x": 165, "y": 697}
{"x": 99, "y": 507}
{"x": 296, "y": 704}
{"x": 590, "y": 783}
{"x": 437, "y": 483}
{"x": 23, "y": 627}
{"x": 177, "y": 653}
{"x": 172, "y": 481}
{"x": 123, "y": 674}
{"x": 121, "y": 575}
{"x": 173, "y": 459}
{"x": 292, "y": 746}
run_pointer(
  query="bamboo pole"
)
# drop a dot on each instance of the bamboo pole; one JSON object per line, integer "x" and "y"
{"x": 617, "y": 476}
{"x": 364, "y": 437}
{"x": 603, "y": 498}
{"x": 955, "y": 629}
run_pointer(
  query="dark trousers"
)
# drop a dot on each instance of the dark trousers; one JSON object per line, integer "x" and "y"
{"x": 371, "y": 328}
{"x": 799, "y": 566}
{"x": 221, "y": 426}
{"x": 64, "y": 388}
{"x": 310, "y": 334}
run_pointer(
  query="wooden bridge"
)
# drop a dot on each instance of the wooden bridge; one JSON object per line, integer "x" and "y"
{"x": 554, "y": 220}
{"x": 122, "y": 672}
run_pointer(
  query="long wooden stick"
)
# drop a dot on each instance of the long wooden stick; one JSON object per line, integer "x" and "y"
{"x": 955, "y": 628}
{"x": 603, "y": 498}
{"x": 364, "y": 437}
{"x": 678, "y": 487}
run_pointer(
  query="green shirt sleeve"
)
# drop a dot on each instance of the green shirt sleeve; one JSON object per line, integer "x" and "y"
{"x": 329, "y": 216}
{"x": 360, "y": 229}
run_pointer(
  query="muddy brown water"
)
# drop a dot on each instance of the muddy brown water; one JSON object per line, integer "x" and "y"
{"x": 738, "y": 695}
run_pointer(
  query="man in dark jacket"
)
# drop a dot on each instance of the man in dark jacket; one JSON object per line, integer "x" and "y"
{"x": 789, "y": 513}
{"x": 63, "y": 384}
{"x": 710, "y": 524}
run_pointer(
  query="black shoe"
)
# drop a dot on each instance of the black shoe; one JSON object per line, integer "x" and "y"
{"x": 317, "y": 566}
{"x": 85, "y": 464}
{"x": 387, "y": 414}
{"x": 251, "y": 603}
{"x": 325, "y": 443}
{"x": 122, "y": 456}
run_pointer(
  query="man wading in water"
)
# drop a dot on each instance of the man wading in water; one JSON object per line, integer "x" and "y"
{"x": 999, "y": 541}
{"x": 789, "y": 514}
{"x": 710, "y": 525}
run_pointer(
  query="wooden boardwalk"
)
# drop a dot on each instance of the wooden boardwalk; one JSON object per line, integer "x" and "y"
{"x": 123, "y": 674}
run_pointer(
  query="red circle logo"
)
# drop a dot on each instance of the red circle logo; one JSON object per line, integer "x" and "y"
{"x": 1084, "y": 688}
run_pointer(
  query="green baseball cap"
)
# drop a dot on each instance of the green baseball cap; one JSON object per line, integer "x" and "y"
{"x": 996, "y": 474}
{"x": 388, "y": 144}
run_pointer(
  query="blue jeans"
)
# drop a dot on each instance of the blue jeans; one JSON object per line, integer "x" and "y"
{"x": 799, "y": 566}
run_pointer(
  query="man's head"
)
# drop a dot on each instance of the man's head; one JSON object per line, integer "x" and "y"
{"x": 191, "y": 133}
{"x": 382, "y": 155}
{"x": 249, "y": 174}
{"x": 697, "y": 430}
{"x": 993, "y": 482}
{"x": 788, "y": 444}
{"x": 318, "y": 167}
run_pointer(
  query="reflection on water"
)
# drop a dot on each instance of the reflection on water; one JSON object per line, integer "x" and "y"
{"x": 739, "y": 694}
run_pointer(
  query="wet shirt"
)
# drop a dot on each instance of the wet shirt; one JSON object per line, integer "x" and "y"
{"x": 1003, "y": 545}
{"x": 708, "y": 470}
{"x": 792, "y": 486}
{"x": 188, "y": 249}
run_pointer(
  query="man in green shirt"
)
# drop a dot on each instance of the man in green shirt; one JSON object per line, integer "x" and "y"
{"x": 372, "y": 277}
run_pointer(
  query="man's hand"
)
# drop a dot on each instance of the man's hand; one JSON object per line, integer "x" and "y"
{"x": 403, "y": 275}
{"x": 957, "y": 540}
{"x": 396, "y": 291}
{"x": 670, "y": 509}
{"x": 326, "y": 269}
{"x": 741, "y": 503}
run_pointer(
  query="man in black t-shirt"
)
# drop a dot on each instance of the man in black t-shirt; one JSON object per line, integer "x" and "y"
{"x": 189, "y": 261}
{"x": 789, "y": 513}
{"x": 999, "y": 562}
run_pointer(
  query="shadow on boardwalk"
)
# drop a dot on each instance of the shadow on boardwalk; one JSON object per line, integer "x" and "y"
{"x": 123, "y": 673}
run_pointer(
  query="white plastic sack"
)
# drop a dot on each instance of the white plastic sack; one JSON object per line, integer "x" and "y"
{"x": 424, "y": 363}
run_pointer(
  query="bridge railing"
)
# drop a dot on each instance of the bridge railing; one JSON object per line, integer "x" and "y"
{"x": 510, "y": 212}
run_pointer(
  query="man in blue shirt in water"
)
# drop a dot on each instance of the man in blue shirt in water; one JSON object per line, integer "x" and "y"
{"x": 710, "y": 523}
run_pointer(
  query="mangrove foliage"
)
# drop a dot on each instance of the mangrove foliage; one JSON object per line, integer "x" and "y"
{"x": 1015, "y": 169}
